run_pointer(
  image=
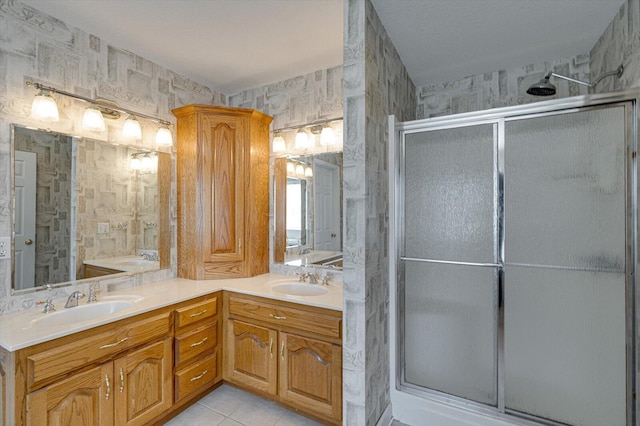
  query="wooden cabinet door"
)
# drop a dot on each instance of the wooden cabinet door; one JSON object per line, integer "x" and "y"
{"x": 224, "y": 187}
{"x": 311, "y": 375}
{"x": 142, "y": 384}
{"x": 85, "y": 399}
{"x": 252, "y": 356}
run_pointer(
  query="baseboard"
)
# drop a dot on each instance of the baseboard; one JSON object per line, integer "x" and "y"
{"x": 386, "y": 418}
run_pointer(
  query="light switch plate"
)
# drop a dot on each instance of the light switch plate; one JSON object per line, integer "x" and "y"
{"x": 5, "y": 247}
{"x": 103, "y": 227}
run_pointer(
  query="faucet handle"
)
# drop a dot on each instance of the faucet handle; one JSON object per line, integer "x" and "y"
{"x": 326, "y": 278}
{"x": 48, "y": 304}
{"x": 93, "y": 291}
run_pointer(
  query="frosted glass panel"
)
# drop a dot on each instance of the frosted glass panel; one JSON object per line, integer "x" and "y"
{"x": 450, "y": 196}
{"x": 565, "y": 345}
{"x": 565, "y": 190}
{"x": 450, "y": 329}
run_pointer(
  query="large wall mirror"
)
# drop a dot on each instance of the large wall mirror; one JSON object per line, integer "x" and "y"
{"x": 308, "y": 210}
{"x": 84, "y": 208}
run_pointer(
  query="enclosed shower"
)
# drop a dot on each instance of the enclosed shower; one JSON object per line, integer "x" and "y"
{"x": 513, "y": 272}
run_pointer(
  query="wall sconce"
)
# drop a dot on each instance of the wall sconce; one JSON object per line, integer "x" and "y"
{"x": 302, "y": 139}
{"x": 279, "y": 144}
{"x": 92, "y": 120}
{"x": 131, "y": 128}
{"x": 44, "y": 108}
{"x": 327, "y": 136}
{"x": 163, "y": 136}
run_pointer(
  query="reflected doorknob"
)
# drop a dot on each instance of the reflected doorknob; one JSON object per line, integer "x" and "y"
{"x": 333, "y": 235}
{"x": 28, "y": 242}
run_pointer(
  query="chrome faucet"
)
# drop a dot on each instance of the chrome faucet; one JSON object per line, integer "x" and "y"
{"x": 72, "y": 301}
{"x": 313, "y": 278}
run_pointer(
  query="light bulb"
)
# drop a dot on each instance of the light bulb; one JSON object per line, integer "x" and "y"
{"x": 135, "y": 164}
{"x": 308, "y": 171}
{"x": 163, "y": 136}
{"x": 44, "y": 107}
{"x": 302, "y": 140}
{"x": 327, "y": 137}
{"x": 279, "y": 144}
{"x": 147, "y": 163}
{"x": 131, "y": 128}
{"x": 93, "y": 120}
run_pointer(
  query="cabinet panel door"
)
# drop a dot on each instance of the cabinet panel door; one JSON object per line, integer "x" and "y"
{"x": 224, "y": 187}
{"x": 252, "y": 356}
{"x": 311, "y": 375}
{"x": 143, "y": 384}
{"x": 85, "y": 399}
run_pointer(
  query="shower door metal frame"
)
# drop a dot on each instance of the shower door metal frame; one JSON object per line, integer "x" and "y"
{"x": 497, "y": 117}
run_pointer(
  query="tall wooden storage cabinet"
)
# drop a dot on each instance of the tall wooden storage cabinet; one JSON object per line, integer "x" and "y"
{"x": 223, "y": 192}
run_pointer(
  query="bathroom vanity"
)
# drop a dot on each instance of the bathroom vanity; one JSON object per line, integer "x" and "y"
{"x": 171, "y": 343}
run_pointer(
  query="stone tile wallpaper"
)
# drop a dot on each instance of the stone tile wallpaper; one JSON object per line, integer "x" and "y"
{"x": 37, "y": 47}
{"x": 376, "y": 85}
{"x": 293, "y": 102}
{"x": 500, "y": 88}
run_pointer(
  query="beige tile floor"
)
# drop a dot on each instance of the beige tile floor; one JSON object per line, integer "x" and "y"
{"x": 228, "y": 406}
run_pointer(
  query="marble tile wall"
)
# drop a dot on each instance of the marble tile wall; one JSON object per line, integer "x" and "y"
{"x": 35, "y": 46}
{"x": 376, "y": 85}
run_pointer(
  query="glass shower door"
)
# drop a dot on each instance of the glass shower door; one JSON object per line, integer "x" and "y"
{"x": 566, "y": 267}
{"x": 449, "y": 261}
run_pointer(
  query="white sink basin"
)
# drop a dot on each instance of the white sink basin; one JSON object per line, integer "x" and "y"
{"x": 89, "y": 311}
{"x": 299, "y": 289}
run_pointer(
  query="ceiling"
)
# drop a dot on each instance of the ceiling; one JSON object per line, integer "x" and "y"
{"x": 232, "y": 45}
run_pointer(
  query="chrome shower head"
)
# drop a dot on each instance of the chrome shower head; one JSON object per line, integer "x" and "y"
{"x": 542, "y": 88}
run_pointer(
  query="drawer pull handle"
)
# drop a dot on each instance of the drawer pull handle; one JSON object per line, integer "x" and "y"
{"x": 199, "y": 376}
{"x": 111, "y": 345}
{"x": 282, "y": 351}
{"x": 106, "y": 379}
{"x": 271, "y": 347}
{"x": 197, "y": 314}
{"x": 121, "y": 381}
{"x": 193, "y": 345}
{"x": 277, "y": 317}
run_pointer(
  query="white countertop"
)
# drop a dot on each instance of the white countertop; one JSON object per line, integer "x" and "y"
{"x": 18, "y": 331}
{"x": 125, "y": 263}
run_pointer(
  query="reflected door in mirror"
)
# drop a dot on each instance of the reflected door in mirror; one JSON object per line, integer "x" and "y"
{"x": 327, "y": 206}
{"x": 25, "y": 219}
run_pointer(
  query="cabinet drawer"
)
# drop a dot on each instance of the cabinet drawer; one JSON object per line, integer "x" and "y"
{"x": 199, "y": 341}
{"x": 196, "y": 312}
{"x": 313, "y": 322}
{"x": 75, "y": 355}
{"x": 196, "y": 377}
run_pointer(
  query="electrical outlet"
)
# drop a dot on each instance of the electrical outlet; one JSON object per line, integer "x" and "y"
{"x": 103, "y": 227}
{"x": 5, "y": 247}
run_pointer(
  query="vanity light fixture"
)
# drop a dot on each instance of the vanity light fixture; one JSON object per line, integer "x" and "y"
{"x": 308, "y": 172}
{"x": 144, "y": 161}
{"x": 44, "y": 108}
{"x": 291, "y": 168}
{"x": 302, "y": 139}
{"x": 327, "y": 136}
{"x": 299, "y": 170}
{"x": 135, "y": 163}
{"x": 92, "y": 120}
{"x": 131, "y": 128}
{"x": 279, "y": 144}
{"x": 163, "y": 136}
{"x": 320, "y": 130}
